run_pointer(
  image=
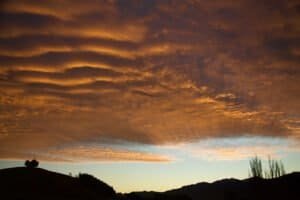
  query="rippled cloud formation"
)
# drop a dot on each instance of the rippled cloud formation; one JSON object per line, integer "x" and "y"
{"x": 145, "y": 72}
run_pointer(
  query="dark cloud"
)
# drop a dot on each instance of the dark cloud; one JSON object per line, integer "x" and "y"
{"x": 31, "y": 44}
{"x": 27, "y": 20}
{"x": 136, "y": 8}
{"x": 60, "y": 60}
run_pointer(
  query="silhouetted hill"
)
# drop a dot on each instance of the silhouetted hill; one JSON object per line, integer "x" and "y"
{"x": 35, "y": 183}
{"x": 155, "y": 196}
{"x": 284, "y": 187}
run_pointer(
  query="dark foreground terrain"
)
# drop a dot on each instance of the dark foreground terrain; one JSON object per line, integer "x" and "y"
{"x": 34, "y": 183}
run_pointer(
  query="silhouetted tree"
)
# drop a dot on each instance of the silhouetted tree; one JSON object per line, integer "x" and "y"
{"x": 31, "y": 164}
{"x": 27, "y": 163}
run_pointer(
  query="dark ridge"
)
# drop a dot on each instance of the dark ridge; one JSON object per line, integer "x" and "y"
{"x": 35, "y": 183}
{"x": 284, "y": 187}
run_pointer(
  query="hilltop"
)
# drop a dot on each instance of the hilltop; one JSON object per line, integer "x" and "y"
{"x": 37, "y": 183}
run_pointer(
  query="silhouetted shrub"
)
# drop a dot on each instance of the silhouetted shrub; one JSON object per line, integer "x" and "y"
{"x": 276, "y": 169}
{"x": 256, "y": 167}
{"x": 96, "y": 185}
{"x": 31, "y": 164}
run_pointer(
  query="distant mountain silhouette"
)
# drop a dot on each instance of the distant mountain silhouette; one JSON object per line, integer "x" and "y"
{"x": 34, "y": 183}
{"x": 284, "y": 187}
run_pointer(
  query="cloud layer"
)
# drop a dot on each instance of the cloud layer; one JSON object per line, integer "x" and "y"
{"x": 157, "y": 72}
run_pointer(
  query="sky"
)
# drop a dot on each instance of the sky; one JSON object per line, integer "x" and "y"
{"x": 150, "y": 95}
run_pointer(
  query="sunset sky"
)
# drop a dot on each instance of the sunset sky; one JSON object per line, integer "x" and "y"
{"x": 150, "y": 95}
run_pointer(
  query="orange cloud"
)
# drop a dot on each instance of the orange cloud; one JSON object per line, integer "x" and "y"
{"x": 239, "y": 148}
{"x": 92, "y": 154}
{"x": 126, "y": 73}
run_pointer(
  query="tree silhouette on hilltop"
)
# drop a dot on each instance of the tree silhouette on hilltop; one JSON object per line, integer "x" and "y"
{"x": 31, "y": 164}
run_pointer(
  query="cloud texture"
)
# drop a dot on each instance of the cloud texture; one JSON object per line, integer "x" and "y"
{"x": 146, "y": 72}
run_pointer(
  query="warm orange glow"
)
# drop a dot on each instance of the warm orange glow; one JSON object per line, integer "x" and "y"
{"x": 163, "y": 74}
